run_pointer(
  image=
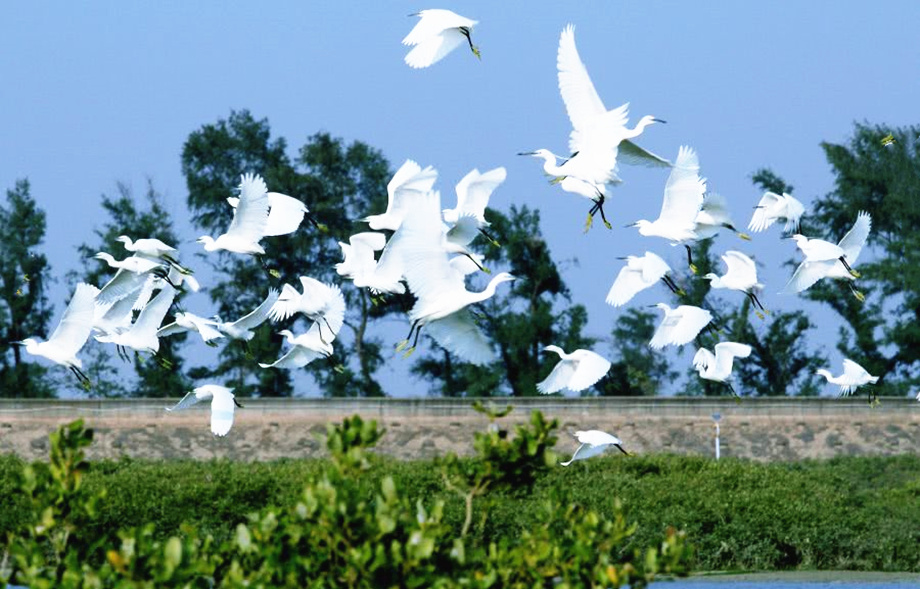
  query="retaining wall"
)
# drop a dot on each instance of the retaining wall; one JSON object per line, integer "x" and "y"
{"x": 762, "y": 429}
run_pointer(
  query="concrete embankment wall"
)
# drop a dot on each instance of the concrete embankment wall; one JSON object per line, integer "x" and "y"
{"x": 266, "y": 429}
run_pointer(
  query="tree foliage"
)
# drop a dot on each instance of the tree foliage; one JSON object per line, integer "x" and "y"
{"x": 157, "y": 376}
{"x": 24, "y": 279}
{"x": 339, "y": 183}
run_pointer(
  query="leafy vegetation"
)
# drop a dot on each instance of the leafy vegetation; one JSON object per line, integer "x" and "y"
{"x": 353, "y": 524}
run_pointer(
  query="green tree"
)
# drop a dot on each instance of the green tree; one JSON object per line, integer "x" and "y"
{"x": 159, "y": 376}
{"x": 882, "y": 178}
{"x": 24, "y": 310}
{"x": 339, "y": 183}
{"x": 534, "y": 312}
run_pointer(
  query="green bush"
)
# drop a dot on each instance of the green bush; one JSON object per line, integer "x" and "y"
{"x": 352, "y": 525}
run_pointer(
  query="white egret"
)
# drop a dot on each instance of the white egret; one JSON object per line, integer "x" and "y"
{"x": 70, "y": 334}
{"x": 407, "y": 184}
{"x": 135, "y": 264}
{"x": 141, "y": 336}
{"x": 223, "y": 404}
{"x": 440, "y": 288}
{"x": 305, "y": 348}
{"x": 113, "y": 317}
{"x": 185, "y": 322}
{"x": 153, "y": 249}
{"x": 811, "y": 271}
{"x": 683, "y": 199}
{"x": 639, "y": 273}
{"x": 381, "y": 276}
{"x": 437, "y": 33}
{"x": 718, "y": 367}
{"x": 679, "y": 326}
{"x": 713, "y": 217}
{"x": 597, "y": 134}
{"x": 285, "y": 214}
{"x": 242, "y": 328}
{"x": 593, "y": 442}
{"x": 250, "y": 219}
{"x": 774, "y": 207}
{"x": 321, "y": 303}
{"x": 853, "y": 377}
{"x": 575, "y": 372}
{"x": 740, "y": 274}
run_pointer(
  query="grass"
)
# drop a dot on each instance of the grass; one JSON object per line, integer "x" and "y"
{"x": 858, "y": 513}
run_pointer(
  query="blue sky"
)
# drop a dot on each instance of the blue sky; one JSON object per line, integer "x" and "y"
{"x": 97, "y": 93}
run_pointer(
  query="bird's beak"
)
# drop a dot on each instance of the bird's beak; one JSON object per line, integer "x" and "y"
{"x": 18, "y": 343}
{"x": 622, "y": 450}
{"x": 527, "y": 153}
{"x": 657, "y": 121}
{"x": 636, "y": 224}
{"x": 621, "y": 257}
{"x": 238, "y": 404}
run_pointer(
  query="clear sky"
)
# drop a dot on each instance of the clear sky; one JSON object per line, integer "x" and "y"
{"x": 95, "y": 93}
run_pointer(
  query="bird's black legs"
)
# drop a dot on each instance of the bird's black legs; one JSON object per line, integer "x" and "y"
{"x": 852, "y": 272}
{"x": 690, "y": 259}
{"x": 84, "y": 380}
{"x": 598, "y": 206}
{"x": 669, "y": 282}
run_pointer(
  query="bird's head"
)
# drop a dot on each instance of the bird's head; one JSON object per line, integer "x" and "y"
{"x": 104, "y": 256}
{"x": 552, "y": 348}
{"x": 641, "y": 225}
{"x": 124, "y": 239}
{"x": 646, "y": 121}
{"x": 28, "y": 342}
{"x": 503, "y": 277}
{"x": 287, "y": 333}
{"x": 710, "y": 276}
{"x": 543, "y": 154}
{"x": 799, "y": 239}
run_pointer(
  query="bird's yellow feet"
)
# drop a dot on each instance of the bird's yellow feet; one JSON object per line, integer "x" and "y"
{"x": 557, "y": 180}
{"x": 339, "y": 368}
{"x": 273, "y": 272}
{"x": 744, "y": 236}
{"x": 859, "y": 296}
{"x": 408, "y": 352}
{"x": 607, "y": 224}
{"x": 588, "y": 223}
{"x": 760, "y": 315}
{"x": 476, "y": 52}
{"x": 486, "y": 270}
{"x": 694, "y": 269}
{"x": 401, "y": 345}
{"x": 322, "y": 227}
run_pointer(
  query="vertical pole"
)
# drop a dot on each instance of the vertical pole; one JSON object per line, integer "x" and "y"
{"x": 717, "y": 440}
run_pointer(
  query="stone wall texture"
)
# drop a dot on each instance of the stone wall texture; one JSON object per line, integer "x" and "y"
{"x": 267, "y": 429}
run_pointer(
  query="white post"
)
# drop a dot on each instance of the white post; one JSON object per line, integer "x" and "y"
{"x": 715, "y": 418}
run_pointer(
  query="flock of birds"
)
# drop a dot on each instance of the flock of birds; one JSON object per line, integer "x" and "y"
{"x": 429, "y": 252}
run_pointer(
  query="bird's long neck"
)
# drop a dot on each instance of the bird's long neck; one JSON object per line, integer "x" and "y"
{"x": 107, "y": 258}
{"x": 488, "y": 292}
{"x": 825, "y": 374}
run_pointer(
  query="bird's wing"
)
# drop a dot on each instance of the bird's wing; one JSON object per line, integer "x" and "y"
{"x": 109, "y": 316}
{"x": 333, "y": 310}
{"x": 388, "y": 271}
{"x": 77, "y": 321}
{"x": 628, "y": 283}
{"x": 740, "y": 266}
{"x": 284, "y": 215}
{"x": 372, "y": 240}
{"x": 714, "y": 210}
{"x": 287, "y": 303}
{"x": 591, "y": 368}
{"x": 596, "y": 437}
{"x": 703, "y": 359}
{"x": 765, "y": 212}
{"x": 683, "y": 193}
{"x": 582, "y": 102}
{"x": 458, "y": 333}
{"x": 726, "y": 352}
{"x": 663, "y": 334}
{"x": 853, "y": 242}
{"x": 144, "y": 293}
{"x": 793, "y": 211}
{"x": 692, "y": 321}
{"x": 558, "y": 378}
{"x": 432, "y": 22}
{"x": 853, "y": 371}
{"x": 427, "y": 267}
{"x": 653, "y": 268}
{"x": 807, "y": 274}
{"x": 258, "y": 315}
{"x": 120, "y": 286}
{"x": 818, "y": 250}
{"x": 171, "y": 329}
{"x": 583, "y": 452}
{"x": 464, "y": 231}
{"x": 578, "y": 455}
{"x": 433, "y": 49}
{"x": 222, "y": 408}
{"x": 187, "y": 401}
{"x": 475, "y": 190}
{"x": 296, "y": 357}
{"x": 251, "y": 214}
{"x": 633, "y": 155}
{"x": 151, "y": 316}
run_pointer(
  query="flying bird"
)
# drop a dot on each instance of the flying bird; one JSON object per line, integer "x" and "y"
{"x": 242, "y": 328}
{"x": 70, "y": 334}
{"x": 853, "y": 377}
{"x": 575, "y": 372}
{"x": 223, "y": 403}
{"x": 777, "y": 207}
{"x": 640, "y": 273}
{"x": 319, "y": 302}
{"x": 811, "y": 271}
{"x": 593, "y": 442}
{"x": 718, "y": 367}
{"x": 683, "y": 199}
{"x": 186, "y": 322}
{"x": 305, "y": 348}
{"x": 598, "y": 135}
{"x": 679, "y": 326}
{"x": 740, "y": 274}
{"x": 409, "y": 183}
{"x": 437, "y": 33}
{"x": 285, "y": 214}
{"x": 250, "y": 220}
